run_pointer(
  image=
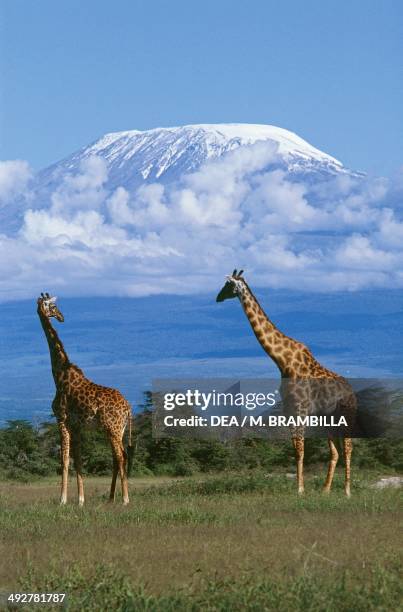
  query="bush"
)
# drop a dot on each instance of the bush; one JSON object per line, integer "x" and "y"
{"x": 184, "y": 468}
{"x": 35, "y": 451}
{"x": 139, "y": 469}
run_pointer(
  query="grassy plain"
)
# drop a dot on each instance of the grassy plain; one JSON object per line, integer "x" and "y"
{"x": 226, "y": 542}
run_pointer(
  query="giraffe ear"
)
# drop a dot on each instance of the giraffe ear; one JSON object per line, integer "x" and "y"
{"x": 53, "y": 299}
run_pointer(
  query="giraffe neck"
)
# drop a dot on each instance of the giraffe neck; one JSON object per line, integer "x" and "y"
{"x": 276, "y": 344}
{"x": 58, "y": 355}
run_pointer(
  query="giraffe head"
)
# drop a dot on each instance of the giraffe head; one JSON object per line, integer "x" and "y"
{"x": 234, "y": 287}
{"x": 47, "y": 305}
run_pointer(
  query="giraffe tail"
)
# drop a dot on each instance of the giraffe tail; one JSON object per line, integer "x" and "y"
{"x": 130, "y": 447}
{"x": 130, "y": 423}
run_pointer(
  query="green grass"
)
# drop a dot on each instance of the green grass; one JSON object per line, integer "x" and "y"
{"x": 108, "y": 589}
{"x": 227, "y": 542}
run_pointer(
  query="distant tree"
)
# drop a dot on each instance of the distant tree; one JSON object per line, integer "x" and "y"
{"x": 23, "y": 452}
{"x": 28, "y": 451}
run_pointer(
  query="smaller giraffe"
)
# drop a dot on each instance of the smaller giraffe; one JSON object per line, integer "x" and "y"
{"x": 79, "y": 403}
{"x": 307, "y": 387}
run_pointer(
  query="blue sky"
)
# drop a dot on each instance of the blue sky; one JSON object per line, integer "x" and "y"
{"x": 332, "y": 72}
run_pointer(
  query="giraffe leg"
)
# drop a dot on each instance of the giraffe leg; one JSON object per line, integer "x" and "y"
{"x": 348, "y": 449}
{"x": 76, "y": 448}
{"x": 114, "y": 477}
{"x": 298, "y": 442}
{"x": 120, "y": 456}
{"x": 334, "y": 456}
{"x": 65, "y": 458}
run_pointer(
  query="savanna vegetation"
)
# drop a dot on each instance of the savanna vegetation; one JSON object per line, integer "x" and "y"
{"x": 28, "y": 452}
{"x": 229, "y": 541}
{"x": 210, "y": 526}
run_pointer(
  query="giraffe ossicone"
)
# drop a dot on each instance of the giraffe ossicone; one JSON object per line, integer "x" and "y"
{"x": 296, "y": 363}
{"x": 80, "y": 402}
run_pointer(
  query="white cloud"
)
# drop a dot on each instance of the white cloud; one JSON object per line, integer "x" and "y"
{"x": 85, "y": 229}
{"x": 359, "y": 253}
{"x": 81, "y": 191}
{"x": 14, "y": 178}
{"x": 119, "y": 209}
{"x": 345, "y": 233}
{"x": 147, "y": 209}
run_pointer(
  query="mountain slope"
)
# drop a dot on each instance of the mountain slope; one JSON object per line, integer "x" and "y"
{"x": 165, "y": 154}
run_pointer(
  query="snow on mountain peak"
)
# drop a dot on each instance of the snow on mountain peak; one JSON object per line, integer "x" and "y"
{"x": 165, "y": 154}
{"x": 215, "y": 136}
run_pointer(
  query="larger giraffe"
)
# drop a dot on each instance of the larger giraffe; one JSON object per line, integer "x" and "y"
{"x": 79, "y": 402}
{"x": 306, "y": 387}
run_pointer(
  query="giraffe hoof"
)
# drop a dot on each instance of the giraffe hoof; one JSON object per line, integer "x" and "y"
{"x": 325, "y": 491}
{"x": 301, "y": 492}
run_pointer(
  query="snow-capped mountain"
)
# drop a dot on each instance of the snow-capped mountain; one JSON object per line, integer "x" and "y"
{"x": 161, "y": 211}
{"x": 165, "y": 154}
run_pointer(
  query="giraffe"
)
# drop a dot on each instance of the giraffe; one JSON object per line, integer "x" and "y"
{"x": 306, "y": 385}
{"x": 78, "y": 403}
